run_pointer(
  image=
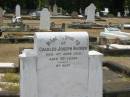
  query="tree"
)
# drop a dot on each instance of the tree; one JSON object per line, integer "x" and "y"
{"x": 68, "y": 5}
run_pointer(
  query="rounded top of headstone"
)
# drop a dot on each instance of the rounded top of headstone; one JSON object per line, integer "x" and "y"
{"x": 92, "y": 6}
{"x": 45, "y": 9}
{"x": 58, "y": 39}
{"x": 17, "y": 5}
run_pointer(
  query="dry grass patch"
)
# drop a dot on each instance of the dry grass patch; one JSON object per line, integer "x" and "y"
{"x": 10, "y": 52}
{"x": 124, "y": 60}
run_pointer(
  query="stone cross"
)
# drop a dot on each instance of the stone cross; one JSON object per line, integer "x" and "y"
{"x": 45, "y": 20}
{"x": 18, "y": 11}
{"x": 55, "y": 11}
{"x": 1, "y": 16}
{"x": 61, "y": 65}
{"x": 90, "y": 13}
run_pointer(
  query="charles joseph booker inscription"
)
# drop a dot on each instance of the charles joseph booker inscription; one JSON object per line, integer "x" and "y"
{"x": 66, "y": 53}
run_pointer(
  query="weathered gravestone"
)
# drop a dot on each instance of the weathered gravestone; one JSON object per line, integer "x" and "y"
{"x": 61, "y": 65}
{"x": 18, "y": 11}
{"x": 45, "y": 19}
{"x": 55, "y": 10}
{"x": 1, "y": 16}
{"x": 80, "y": 11}
{"x": 90, "y": 13}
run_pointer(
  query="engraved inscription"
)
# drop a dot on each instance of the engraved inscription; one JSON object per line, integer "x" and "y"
{"x": 63, "y": 55}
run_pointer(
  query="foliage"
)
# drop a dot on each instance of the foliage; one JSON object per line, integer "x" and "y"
{"x": 10, "y": 82}
{"x": 10, "y": 87}
{"x": 69, "y": 5}
{"x": 10, "y": 77}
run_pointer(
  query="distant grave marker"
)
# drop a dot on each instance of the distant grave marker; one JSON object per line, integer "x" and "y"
{"x": 105, "y": 12}
{"x": 74, "y": 14}
{"x": 60, "y": 10}
{"x": 18, "y": 11}
{"x": 45, "y": 20}
{"x": 80, "y": 11}
{"x": 61, "y": 65}
{"x": 97, "y": 14}
{"x": 126, "y": 12}
{"x": 1, "y": 16}
{"x": 118, "y": 14}
{"x": 55, "y": 10}
{"x": 90, "y": 13}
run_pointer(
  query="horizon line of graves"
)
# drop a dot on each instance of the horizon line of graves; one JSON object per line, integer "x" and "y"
{"x": 89, "y": 12}
{"x": 55, "y": 10}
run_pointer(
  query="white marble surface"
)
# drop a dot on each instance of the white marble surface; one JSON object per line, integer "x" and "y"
{"x": 114, "y": 33}
{"x": 45, "y": 19}
{"x": 95, "y": 88}
{"x": 18, "y": 11}
{"x": 119, "y": 46}
{"x": 7, "y": 65}
{"x": 97, "y": 14}
{"x": 118, "y": 14}
{"x": 60, "y": 65}
{"x": 90, "y": 13}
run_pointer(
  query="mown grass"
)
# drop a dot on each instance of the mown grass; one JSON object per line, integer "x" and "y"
{"x": 124, "y": 60}
{"x": 10, "y": 82}
{"x": 11, "y": 77}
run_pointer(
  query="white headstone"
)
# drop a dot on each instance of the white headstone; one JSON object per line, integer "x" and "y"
{"x": 97, "y": 14}
{"x": 126, "y": 12}
{"x": 90, "y": 13}
{"x": 45, "y": 19}
{"x": 18, "y": 11}
{"x": 118, "y": 14}
{"x": 1, "y": 16}
{"x": 60, "y": 65}
{"x": 55, "y": 10}
{"x": 61, "y": 10}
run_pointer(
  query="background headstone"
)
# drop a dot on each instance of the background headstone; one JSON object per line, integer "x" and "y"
{"x": 97, "y": 14}
{"x": 74, "y": 14}
{"x": 126, "y": 12}
{"x": 118, "y": 14}
{"x": 90, "y": 13}
{"x": 105, "y": 12}
{"x": 60, "y": 65}
{"x": 45, "y": 20}
{"x": 55, "y": 10}
{"x": 1, "y": 16}
{"x": 60, "y": 10}
{"x": 18, "y": 11}
{"x": 80, "y": 11}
